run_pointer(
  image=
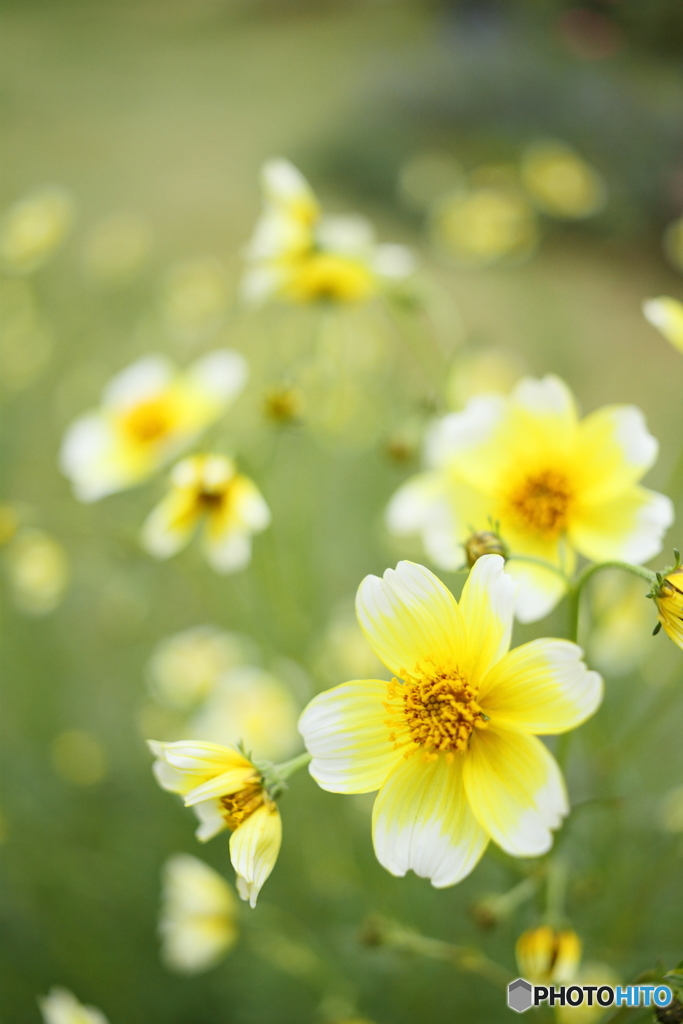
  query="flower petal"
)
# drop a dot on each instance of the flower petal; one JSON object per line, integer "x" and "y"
{"x": 629, "y": 528}
{"x": 169, "y": 526}
{"x": 614, "y": 450}
{"x": 487, "y": 604}
{"x": 220, "y": 375}
{"x": 409, "y": 616}
{"x": 254, "y": 848}
{"x": 211, "y": 820}
{"x": 345, "y": 731}
{"x": 541, "y": 687}
{"x": 88, "y": 458}
{"x": 442, "y": 510}
{"x": 538, "y": 589}
{"x": 143, "y": 379}
{"x": 229, "y": 551}
{"x": 666, "y": 314}
{"x": 201, "y": 756}
{"x": 422, "y": 822}
{"x": 515, "y": 789}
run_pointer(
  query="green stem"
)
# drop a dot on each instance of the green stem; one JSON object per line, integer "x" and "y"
{"x": 288, "y": 768}
{"x": 274, "y": 776}
{"x": 558, "y": 876}
{"x": 574, "y": 597}
{"x": 394, "y": 936}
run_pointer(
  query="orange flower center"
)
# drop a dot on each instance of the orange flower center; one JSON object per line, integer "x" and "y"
{"x": 239, "y": 806}
{"x": 541, "y": 502}
{"x": 149, "y": 421}
{"x": 435, "y": 713}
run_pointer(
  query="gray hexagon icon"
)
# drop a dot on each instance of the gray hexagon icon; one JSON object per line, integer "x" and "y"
{"x": 519, "y": 995}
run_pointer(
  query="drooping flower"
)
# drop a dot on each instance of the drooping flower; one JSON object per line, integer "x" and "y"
{"x": 207, "y": 489}
{"x": 225, "y": 790}
{"x": 668, "y": 597}
{"x": 197, "y": 924}
{"x": 547, "y": 955}
{"x": 555, "y": 485}
{"x": 299, "y": 255}
{"x": 666, "y": 314}
{"x": 450, "y": 742}
{"x": 150, "y": 412}
{"x": 59, "y": 1006}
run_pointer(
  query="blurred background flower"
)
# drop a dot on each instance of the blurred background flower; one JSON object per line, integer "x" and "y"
{"x": 198, "y": 918}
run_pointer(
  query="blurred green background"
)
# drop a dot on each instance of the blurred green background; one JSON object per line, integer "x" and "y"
{"x": 167, "y": 110}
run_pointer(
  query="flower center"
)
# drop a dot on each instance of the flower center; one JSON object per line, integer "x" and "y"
{"x": 436, "y": 713}
{"x": 541, "y": 502}
{"x": 149, "y": 421}
{"x": 239, "y": 806}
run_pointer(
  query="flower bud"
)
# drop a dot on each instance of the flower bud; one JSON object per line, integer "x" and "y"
{"x": 485, "y": 542}
{"x": 668, "y": 597}
{"x": 544, "y": 954}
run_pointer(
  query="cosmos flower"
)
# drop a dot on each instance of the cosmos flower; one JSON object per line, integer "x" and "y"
{"x": 149, "y": 413}
{"x": 206, "y": 489}
{"x": 300, "y": 255}
{"x": 555, "y": 485}
{"x": 450, "y": 742}
{"x": 59, "y": 1006}
{"x": 197, "y": 924}
{"x": 485, "y": 224}
{"x": 225, "y": 790}
{"x": 547, "y": 955}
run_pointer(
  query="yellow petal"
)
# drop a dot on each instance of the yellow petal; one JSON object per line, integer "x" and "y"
{"x": 200, "y": 756}
{"x": 224, "y": 784}
{"x": 345, "y": 730}
{"x": 515, "y": 789}
{"x": 254, "y": 848}
{"x": 538, "y": 589}
{"x": 614, "y": 450}
{"x": 541, "y": 687}
{"x": 410, "y": 617}
{"x": 170, "y": 525}
{"x": 422, "y": 822}
{"x": 628, "y": 528}
{"x": 487, "y": 605}
{"x": 666, "y": 314}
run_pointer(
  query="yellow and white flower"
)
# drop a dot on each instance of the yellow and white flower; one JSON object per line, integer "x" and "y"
{"x": 299, "y": 255}
{"x": 668, "y": 598}
{"x": 225, "y": 790}
{"x": 450, "y": 742}
{"x": 198, "y": 920}
{"x": 207, "y": 489}
{"x": 253, "y": 706}
{"x": 150, "y": 412}
{"x": 546, "y": 955}
{"x": 185, "y": 668}
{"x": 556, "y": 485}
{"x": 59, "y": 1006}
{"x": 666, "y": 314}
